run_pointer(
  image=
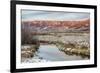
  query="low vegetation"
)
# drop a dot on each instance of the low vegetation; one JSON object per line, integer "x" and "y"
{"x": 74, "y": 49}
{"x": 29, "y": 52}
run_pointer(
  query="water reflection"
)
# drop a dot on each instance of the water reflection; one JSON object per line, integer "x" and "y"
{"x": 47, "y": 53}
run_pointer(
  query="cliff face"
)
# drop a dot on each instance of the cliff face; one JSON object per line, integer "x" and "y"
{"x": 60, "y": 26}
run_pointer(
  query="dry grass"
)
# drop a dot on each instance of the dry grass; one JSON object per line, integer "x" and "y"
{"x": 29, "y": 52}
{"x": 74, "y": 49}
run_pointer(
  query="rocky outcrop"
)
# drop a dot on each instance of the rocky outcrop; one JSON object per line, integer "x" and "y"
{"x": 40, "y": 25}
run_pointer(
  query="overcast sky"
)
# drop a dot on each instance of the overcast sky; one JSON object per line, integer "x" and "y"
{"x": 52, "y": 15}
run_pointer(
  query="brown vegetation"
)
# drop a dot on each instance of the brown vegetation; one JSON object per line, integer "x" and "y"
{"x": 29, "y": 52}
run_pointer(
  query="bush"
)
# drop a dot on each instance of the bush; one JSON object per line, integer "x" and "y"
{"x": 27, "y": 37}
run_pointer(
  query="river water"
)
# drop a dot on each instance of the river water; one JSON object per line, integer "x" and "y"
{"x": 51, "y": 53}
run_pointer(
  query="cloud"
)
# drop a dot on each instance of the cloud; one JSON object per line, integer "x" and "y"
{"x": 52, "y": 15}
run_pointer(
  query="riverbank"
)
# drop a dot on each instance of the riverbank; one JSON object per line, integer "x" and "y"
{"x": 74, "y": 49}
{"x": 28, "y": 51}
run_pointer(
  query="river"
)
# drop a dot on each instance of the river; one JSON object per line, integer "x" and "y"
{"x": 51, "y": 53}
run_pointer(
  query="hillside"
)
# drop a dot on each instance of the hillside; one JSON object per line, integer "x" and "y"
{"x": 57, "y": 26}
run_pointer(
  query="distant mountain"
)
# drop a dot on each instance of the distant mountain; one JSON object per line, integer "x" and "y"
{"x": 57, "y": 26}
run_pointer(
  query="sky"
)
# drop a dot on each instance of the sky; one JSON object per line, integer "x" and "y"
{"x": 52, "y": 15}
